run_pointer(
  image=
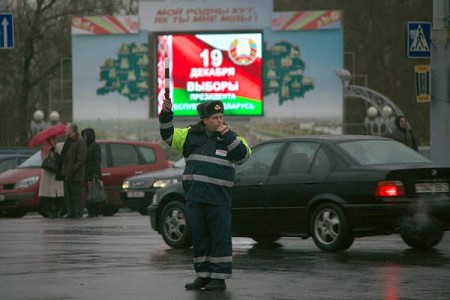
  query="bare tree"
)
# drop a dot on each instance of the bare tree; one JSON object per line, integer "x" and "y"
{"x": 42, "y": 37}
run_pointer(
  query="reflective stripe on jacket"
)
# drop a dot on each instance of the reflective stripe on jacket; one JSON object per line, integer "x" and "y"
{"x": 210, "y": 160}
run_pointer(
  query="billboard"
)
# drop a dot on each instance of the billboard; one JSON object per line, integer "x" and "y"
{"x": 299, "y": 74}
{"x": 110, "y": 77}
{"x": 279, "y": 65}
{"x": 302, "y": 50}
{"x": 212, "y": 66}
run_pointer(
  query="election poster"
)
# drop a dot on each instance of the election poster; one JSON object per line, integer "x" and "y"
{"x": 213, "y": 66}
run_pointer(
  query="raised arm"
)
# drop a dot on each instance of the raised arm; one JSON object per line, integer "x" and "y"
{"x": 174, "y": 137}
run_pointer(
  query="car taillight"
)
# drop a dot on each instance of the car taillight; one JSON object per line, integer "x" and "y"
{"x": 390, "y": 189}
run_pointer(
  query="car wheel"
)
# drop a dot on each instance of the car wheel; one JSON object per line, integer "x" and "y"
{"x": 330, "y": 228}
{"x": 421, "y": 237}
{"x": 174, "y": 227}
{"x": 143, "y": 211}
{"x": 18, "y": 213}
{"x": 265, "y": 239}
{"x": 109, "y": 211}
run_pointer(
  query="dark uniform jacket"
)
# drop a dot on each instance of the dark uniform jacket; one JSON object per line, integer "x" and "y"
{"x": 210, "y": 159}
{"x": 74, "y": 159}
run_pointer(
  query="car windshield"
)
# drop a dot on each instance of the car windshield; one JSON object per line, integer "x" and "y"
{"x": 180, "y": 164}
{"x": 35, "y": 161}
{"x": 370, "y": 152}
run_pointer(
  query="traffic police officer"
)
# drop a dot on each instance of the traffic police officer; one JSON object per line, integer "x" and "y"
{"x": 211, "y": 151}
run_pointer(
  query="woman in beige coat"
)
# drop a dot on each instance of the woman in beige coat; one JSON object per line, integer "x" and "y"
{"x": 51, "y": 191}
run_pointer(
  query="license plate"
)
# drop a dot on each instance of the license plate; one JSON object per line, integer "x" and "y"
{"x": 2, "y": 197}
{"x": 135, "y": 194}
{"x": 436, "y": 187}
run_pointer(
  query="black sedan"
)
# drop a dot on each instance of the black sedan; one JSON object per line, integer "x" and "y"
{"x": 330, "y": 188}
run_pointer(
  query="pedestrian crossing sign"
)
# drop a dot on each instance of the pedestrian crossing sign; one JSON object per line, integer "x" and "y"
{"x": 418, "y": 39}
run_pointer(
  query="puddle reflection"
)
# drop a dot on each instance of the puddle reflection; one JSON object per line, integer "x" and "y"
{"x": 391, "y": 282}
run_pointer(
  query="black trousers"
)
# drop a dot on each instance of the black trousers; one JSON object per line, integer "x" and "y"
{"x": 73, "y": 196}
{"x": 94, "y": 209}
{"x": 53, "y": 206}
{"x": 211, "y": 239}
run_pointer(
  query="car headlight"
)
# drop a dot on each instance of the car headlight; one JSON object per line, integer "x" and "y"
{"x": 24, "y": 183}
{"x": 125, "y": 184}
{"x": 163, "y": 183}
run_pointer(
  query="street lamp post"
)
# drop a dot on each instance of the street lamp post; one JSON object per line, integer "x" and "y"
{"x": 380, "y": 115}
{"x": 375, "y": 124}
{"x": 440, "y": 91}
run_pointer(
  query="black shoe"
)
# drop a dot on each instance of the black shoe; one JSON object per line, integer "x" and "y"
{"x": 198, "y": 284}
{"x": 216, "y": 285}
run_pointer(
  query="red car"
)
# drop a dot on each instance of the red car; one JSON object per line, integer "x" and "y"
{"x": 120, "y": 159}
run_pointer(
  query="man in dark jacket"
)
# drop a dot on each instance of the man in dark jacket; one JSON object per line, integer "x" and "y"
{"x": 73, "y": 158}
{"x": 402, "y": 134}
{"x": 93, "y": 163}
{"x": 211, "y": 150}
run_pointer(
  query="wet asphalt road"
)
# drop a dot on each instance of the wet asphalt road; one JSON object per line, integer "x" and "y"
{"x": 121, "y": 258}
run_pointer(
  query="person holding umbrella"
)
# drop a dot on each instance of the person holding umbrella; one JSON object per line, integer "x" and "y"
{"x": 51, "y": 191}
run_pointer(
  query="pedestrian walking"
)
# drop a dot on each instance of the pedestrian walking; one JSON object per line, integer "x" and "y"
{"x": 211, "y": 150}
{"x": 93, "y": 163}
{"x": 402, "y": 134}
{"x": 73, "y": 160}
{"x": 51, "y": 191}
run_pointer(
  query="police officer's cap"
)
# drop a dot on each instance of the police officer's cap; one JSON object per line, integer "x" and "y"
{"x": 208, "y": 108}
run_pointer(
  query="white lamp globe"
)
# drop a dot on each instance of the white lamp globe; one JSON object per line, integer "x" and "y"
{"x": 372, "y": 112}
{"x": 387, "y": 110}
{"x": 38, "y": 115}
{"x": 54, "y": 116}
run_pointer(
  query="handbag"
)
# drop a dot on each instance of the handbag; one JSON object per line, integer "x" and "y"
{"x": 51, "y": 162}
{"x": 96, "y": 192}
